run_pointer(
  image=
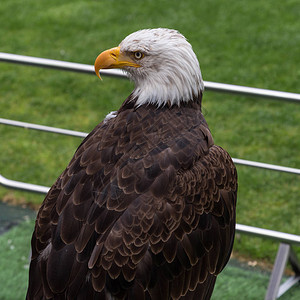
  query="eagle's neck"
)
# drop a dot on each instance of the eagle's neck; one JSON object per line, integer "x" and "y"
{"x": 132, "y": 102}
{"x": 168, "y": 84}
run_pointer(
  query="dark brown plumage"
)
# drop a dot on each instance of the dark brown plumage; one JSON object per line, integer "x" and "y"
{"x": 146, "y": 207}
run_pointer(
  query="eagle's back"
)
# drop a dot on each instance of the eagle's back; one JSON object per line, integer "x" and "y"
{"x": 145, "y": 209}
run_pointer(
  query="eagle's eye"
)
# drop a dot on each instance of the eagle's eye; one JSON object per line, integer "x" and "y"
{"x": 138, "y": 55}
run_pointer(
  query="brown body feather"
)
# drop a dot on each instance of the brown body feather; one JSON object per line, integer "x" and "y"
{"x": 144, "y": 210}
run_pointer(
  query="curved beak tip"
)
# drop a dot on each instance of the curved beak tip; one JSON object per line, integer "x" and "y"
{"x": 98, "y": 66}
{"x": 106, "y": 60}
{"x": 98, "y": 74}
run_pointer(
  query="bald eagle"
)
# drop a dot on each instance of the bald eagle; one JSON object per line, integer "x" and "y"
{"x": 146, "y": 207}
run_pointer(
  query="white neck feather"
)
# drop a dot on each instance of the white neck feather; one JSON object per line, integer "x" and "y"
{"x": 161, "y": 90}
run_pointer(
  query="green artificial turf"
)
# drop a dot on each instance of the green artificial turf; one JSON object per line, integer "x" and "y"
{"x": 252, "y": 43}
{"x": 239, "y": 282}
{"x": 14, "y": 261}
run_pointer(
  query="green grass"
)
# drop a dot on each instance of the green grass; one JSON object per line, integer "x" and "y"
{"x": 234, "y": 281}
{"x": 251, "y": 43}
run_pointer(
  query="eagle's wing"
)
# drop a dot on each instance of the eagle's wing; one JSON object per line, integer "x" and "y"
{"x": 204, "y": 238}
{"x": 157, "y": 206}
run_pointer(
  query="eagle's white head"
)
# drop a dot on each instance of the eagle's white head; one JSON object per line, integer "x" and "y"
{"x": 162, "y": 64}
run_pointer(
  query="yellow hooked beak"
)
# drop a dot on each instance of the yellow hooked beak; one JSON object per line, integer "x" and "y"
{"x": 113, "y": 58}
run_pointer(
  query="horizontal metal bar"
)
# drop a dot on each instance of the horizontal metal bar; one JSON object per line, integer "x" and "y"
{"x": 84, "y": 68}
{"x": 8, "y": 183}
{"x": 270, "y": 234}
{"x": 251, "y": 91}
{"x": 43, "y": 128}
{"x": 237, "y": 161}
{"x": 57, "y": 64}
{"x": 256, "y": 164}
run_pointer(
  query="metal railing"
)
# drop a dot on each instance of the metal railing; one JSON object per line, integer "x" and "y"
{"x": 244, "y": 229}
{"x": 89, "y": 69}
{"x": 80, "y": 134}
{"x": 285, "y": 252}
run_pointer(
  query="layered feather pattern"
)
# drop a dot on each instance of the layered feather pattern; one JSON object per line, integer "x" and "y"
{"x": 144, "y": 210}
